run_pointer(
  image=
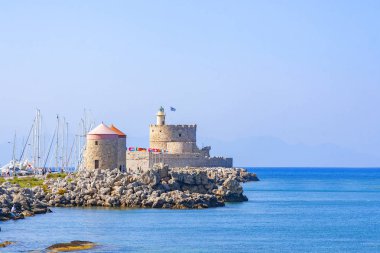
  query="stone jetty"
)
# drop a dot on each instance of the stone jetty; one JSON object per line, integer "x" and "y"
{"x": 159, "y": 187}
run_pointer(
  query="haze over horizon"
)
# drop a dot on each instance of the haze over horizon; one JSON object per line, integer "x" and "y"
{"x": 270, "y": 83}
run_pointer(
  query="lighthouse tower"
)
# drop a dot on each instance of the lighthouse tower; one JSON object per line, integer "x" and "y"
{"x": 160, "y": 117}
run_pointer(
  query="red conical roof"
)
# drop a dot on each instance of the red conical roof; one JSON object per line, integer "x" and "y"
{"x": 102, "y": 132}
{"x": 117, "y": 131}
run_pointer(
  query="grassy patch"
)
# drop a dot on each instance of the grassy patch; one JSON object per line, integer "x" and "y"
{"x": 56, "y": 175}
{"x": 26, "y": 182}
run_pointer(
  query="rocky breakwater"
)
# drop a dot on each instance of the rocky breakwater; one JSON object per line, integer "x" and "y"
{"x": 27, "y": 202}
{"x": 224, "y": 183}
{"x": 219, "y": 175}
{"x": 159, "y": 187}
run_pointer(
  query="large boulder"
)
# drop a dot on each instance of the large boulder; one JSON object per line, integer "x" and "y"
{"x": 231, "y": 191}
{"x": 162, "y": 170}
{"x": 151, "y": 178}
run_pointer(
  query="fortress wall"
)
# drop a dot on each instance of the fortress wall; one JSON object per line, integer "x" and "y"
{"x": 160, "y": 135}
{"x": 180, "y": 147}
{"x": 137, "y": 160}
{"x": 106, "y": 152}
{"x": 146, "y": 160}
{"x": 158, "y": 144}
{"x": 220, "y": 162}
{"x": 195, "y": 160}
{"x": 205, "y": 151}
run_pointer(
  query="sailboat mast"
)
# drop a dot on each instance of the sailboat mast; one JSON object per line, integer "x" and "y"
{"x": 27, "y": 141}
{"x": 38, "y": 138}
{"x": 67, "y": 144}
{"x": 63, "y": 144}
{"x": 14, "y": 155}
{"x": 81, "y": 143}
{"x": 34, "y": 142}
{"x": 57, "y": 144}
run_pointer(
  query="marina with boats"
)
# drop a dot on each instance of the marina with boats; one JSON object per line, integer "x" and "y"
{"x": 42, "y": 152}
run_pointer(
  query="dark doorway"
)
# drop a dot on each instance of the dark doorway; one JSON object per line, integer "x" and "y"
{"x": 96, "y": 164}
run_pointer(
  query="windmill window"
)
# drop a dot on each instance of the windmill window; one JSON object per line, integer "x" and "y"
{"x": 96, "y": 142}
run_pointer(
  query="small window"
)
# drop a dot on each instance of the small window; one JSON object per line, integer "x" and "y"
{"x": 96, "y": 142}
{"x": 180, "y": 135}
{"x": 96, "y": 164}
{"x": 160, "y": 131}
{"x": 152, "y": 130}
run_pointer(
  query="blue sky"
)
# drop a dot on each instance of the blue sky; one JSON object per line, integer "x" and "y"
{"x": 272, "y": 83}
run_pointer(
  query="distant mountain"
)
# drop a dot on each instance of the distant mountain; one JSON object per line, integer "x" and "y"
{"x": 271, "y": 151}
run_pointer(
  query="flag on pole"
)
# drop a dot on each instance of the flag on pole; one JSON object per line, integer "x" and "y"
{"x": 172, "y": 109}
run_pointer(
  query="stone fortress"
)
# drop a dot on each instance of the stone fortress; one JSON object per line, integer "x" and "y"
{"x": 180, "y": 141}
{"x": 106, "y": 148}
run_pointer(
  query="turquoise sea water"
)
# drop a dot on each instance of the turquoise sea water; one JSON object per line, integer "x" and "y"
{"x": 289, "y": 210}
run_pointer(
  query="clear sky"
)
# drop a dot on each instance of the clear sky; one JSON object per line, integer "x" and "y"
{"x": 272, "y": 83}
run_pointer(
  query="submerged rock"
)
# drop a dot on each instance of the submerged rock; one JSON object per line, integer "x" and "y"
{"x": 5, "y": 244}
{"x": 71, "y": 246}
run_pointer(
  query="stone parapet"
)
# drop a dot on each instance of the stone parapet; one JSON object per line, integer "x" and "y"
{"x": 145, "y": 160}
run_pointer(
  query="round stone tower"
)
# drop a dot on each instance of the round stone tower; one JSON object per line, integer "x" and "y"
{"x": 122, "y": 148}
{"x": 176, "y": 139}
{"x": 101, "y": 148}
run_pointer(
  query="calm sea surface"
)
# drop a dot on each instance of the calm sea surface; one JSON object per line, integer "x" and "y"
{"x": 289, "y": 210}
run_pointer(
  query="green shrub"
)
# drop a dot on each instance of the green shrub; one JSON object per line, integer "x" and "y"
{"x": 45, "y": 188}
{"x": 61, "y": 191}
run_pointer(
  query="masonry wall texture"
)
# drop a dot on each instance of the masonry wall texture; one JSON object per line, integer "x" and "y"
{"x": 180, "y": 147}
{"x": 160, "y": 136}
{"x": 138, "y": 161}
{"x": 121, "y": 153}
{"x": 106, "y": 151}
{"x": 143, "y": 160}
